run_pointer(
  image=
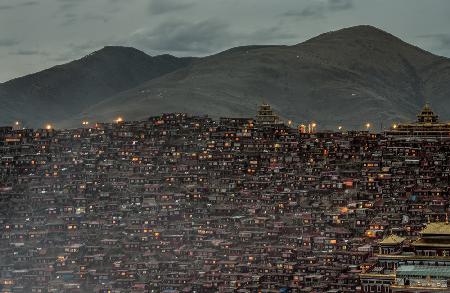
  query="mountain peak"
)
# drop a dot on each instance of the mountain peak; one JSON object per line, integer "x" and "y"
{"x": 364, "y": 39}
{"x": 65, "y": 90}
{"x": 365, "y": 28}
{"x": 116, "y": 51}
{"x": 354, "y": 33}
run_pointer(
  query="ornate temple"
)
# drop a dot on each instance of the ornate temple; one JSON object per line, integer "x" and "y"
{"x": 422, "y": 265}
{"x": 427, "y": 125}
{"x": 266, "y": 116}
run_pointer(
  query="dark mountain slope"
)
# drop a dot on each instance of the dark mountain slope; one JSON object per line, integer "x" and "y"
{"x": 344, "y": 77}
{"x": 65, "y": 90}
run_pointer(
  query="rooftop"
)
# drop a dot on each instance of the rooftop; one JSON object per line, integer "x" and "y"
{"x": 420, "y": 271}
{"x": 437, "y": 228}
{"x": 427, "y": 115}
{"x": 392, "y": 240}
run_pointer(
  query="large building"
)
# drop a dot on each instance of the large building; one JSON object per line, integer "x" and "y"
{"x": 422, "y": 265}
{"x": 266, "y": 116}
{"x": 427, "y": 125}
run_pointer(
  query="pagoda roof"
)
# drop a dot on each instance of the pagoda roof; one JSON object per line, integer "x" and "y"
{"x": 392, "y": 240}
{"x": 437, "y": 228}
{"x": 436, "y": 243}
{"x": 427, "y": 115}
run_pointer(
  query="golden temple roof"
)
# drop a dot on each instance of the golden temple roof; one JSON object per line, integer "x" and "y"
{"x": 427, "y": 115}
{"x": 437, "y": 228}
{"x": 427, "y": 124}
{"x": 392, "y": 240}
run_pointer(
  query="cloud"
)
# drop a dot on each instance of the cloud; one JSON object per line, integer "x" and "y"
{"x": 69, "y": 4}
{"x": 309, "y": 11}
{"x": 182, "y": 36}
{"x": 70, "y": 18}
{"x": 441, "y": 40}
{"x": 336, "y": 5}
{"x": 29, "y": 52}
{"x": 319, "y": 9}
{"x": 8, "y": 42}
{"x": 17, "y": 5}
{"x": 157, "y": 7}
{"x": 274, "y": 34}
{"x": 200, "y": 38}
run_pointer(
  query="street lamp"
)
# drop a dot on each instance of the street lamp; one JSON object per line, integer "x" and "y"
{"x": 313, "y": 126}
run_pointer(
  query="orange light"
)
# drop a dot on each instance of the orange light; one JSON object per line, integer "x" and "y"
{"x": 119, "y": 119}
{"x": 370, "y": 234}
{"x": 48, "y": 127}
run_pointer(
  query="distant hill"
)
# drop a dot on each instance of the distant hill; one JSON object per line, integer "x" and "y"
{"x": 346, "y": 77}
{"x": 63, "y": 91}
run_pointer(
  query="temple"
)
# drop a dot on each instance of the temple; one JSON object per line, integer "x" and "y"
{"x": 401, "y": 265}
{"x": 427, "y": 125}
{"x": 266, "y": 115}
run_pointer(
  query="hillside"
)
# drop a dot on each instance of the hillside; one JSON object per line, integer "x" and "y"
{"x": 345, "y": 77}
{"x": 64, "y": 91}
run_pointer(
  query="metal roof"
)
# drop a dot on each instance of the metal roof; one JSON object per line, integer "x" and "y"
{"x": 423, "y": 271}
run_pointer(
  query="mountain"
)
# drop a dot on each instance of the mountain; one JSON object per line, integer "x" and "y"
{"x": 64, "y": 91}
{"x": 346, "y": 77}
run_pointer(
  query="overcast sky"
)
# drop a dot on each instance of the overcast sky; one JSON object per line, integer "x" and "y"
{"x": 36, "y": 34}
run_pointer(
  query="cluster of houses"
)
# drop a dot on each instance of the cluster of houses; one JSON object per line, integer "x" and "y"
{"x": 181, "y": 203}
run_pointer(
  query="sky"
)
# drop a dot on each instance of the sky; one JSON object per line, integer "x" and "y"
{"x": 38, "y": 34}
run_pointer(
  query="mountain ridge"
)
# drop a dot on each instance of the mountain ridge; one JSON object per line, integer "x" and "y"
{"x": 65, "y": 90}
{"x": 389, "y": 93}
{"x": 346, "y": 77}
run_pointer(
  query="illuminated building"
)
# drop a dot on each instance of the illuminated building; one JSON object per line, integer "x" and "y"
{"x": 427, "y": 125}
{"x": 17, "y": 125}
{"x": 422, "y": 266}
{"x": 266, "y": 115}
